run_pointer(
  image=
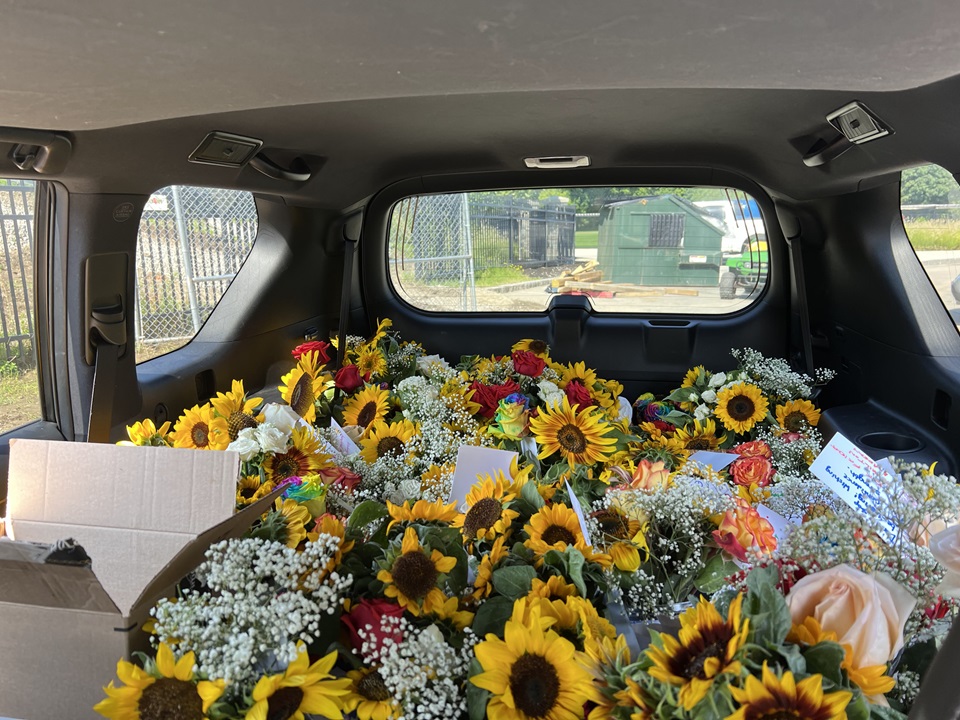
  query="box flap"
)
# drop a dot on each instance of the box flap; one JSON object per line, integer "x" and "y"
{"x": 192, "y": 554}
{"x": 133, "y": 509}
{"x": 64, "y": 587}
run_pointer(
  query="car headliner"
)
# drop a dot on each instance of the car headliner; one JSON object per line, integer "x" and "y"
{"x": 380, "y": 91}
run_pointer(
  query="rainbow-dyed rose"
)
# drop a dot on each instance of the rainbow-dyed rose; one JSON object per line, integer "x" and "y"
{"x": 647, "y": 408}
{"x": 512, "y": 418}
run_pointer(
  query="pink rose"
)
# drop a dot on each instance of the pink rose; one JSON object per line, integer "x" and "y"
{"x": 526, "y": 363}
{"x": 755, "y": 470}
{"x": 367, "y": 615}
{"x": 945, "y": 546}
{"x": 318, "y": 346}
{"x": 348, "y": 378}
{"x": 578, "y": 394}
{"x": 867, "y": 612}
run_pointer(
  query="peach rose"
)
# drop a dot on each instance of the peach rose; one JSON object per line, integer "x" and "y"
{"x": 754, "y": 448}
{"x": 945, "y": 546}
{"x": 650, "y": 476}
{"x": 867, "y": 612}
{"x": 753, "y": 470}
{"x": 744, "y": 528}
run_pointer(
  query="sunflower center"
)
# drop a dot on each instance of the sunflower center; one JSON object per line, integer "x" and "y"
{"x": 795, "y": 421}
{"x": 414, "y": 574}
{"x": 482, "y": 516}
{"x": 239, "y": 420}
{"x": 302, "y": 396}
{"x": 571, "y": 438}
{"x": 741, "y": 408}
{"x": 695, "y": 668}
{"x": 200, "y": 435}
{"x": 389, "y": 445}
{"x": 538, "y": 347}
{"x": 248, "y": 491}
{"x": 367, "y": 413}
{"x": 698, "y": 443}
{"x": 534, "y": 684}
{"x": 558, "y": 533}
{"x": 783, "y": 715}
{"x": 612, "y": 524}
{"x": 169, "y": 698}
{"x": 284, "y": 703}
{"x": 372, "y": 687}
{"x": 285, "y": 466}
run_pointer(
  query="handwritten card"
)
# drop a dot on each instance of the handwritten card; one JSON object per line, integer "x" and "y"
{"x": 578, "y": 509}
{"x": 477, "y": 461}
{"x": 856, "y": 478}
{"x": 717, "y": 460}
{"x": 781, "y": 525}
{"x": 343, "y": 442}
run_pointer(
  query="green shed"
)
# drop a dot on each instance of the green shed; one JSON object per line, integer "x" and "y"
{"x": 662, "y": 241}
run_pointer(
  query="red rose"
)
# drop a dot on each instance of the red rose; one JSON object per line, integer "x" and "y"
{"x": 526, "y": 363}
{"x": 756, "y": 470}
{"x": 348, "y": 378}
{"x": 754, "y": 448}
{"x": 489, "y": 396}
{"x": 367, "y": 615}
{"x": 578, "y": 394}
{"x": 318, "y": 346}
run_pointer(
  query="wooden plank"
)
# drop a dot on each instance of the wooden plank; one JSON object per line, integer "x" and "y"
{"x": 683, "y": 291}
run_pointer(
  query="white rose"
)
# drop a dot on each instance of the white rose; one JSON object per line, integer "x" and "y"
{"x": 246, "y": 444}
{"x": 625, "y": 408}
{"x": 702, "y": 412}
{"x": 282, "y": 417}
{"x": 426, "y": 364}
{"x": 945, "y": 546}
{"x": 272, "y": 439}
{"x": 693, "y": 397}
{"x": 550, "y": 393}
{"x": 709, "y": 396}
{"x": 717, "y": 380}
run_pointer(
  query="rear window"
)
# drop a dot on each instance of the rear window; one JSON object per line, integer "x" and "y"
{"x": 930, "y": 205}
{"x": 191, "y": 243}
{"x": 675, "y": 250}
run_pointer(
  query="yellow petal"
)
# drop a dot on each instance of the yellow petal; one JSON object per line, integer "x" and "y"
{"x": 165, "y": 662}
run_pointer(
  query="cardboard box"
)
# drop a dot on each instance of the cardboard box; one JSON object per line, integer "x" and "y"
{"x": 145, "y": 516}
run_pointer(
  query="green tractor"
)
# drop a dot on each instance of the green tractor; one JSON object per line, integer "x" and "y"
{"x": 747, "y": 269}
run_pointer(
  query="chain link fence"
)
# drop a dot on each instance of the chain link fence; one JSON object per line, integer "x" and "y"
{"x": 17, "y": 199}
{"x": 191, "y": 243}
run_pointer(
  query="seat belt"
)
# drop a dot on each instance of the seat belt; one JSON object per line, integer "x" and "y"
{"x": 104, "y": 387}
{"x": 349, "y": 257}
{"x": 796, "y": 269}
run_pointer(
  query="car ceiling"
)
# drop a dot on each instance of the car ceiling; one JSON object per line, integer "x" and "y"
{"x": 373, "y": 92}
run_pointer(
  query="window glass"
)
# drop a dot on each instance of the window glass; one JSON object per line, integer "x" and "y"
{"x": 191, "y": 243}
{"x": 930, "y": 205}
{"x": 628, "y": 249}
{"x": 19, "y": 389}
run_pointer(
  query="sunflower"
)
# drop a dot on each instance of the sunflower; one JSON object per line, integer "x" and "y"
{"x": 250, "y": 489}
{"x": 422, "y": 511}
{"x": 434, "y": 479}
{"x": 302, "y": 386}
{"x": 387, "y": 440}
{"x": 553, "y": 527}
{"x": 164, "y": 684}
{"x": 301, "y": 689}
{"x": 367, "y": 407}
{"x": 554, "y": 588}
{"x": 413, "y": 577}
{"x": 488, "y": 514}
{"x": 533, "y": 673}
{"x": 708, "y": 647}
{"x": 576, "y": 620}
{"x": 199, "y": 429}
{"x": 797, "y": 415}
{"x": 696, "y": 437}
{"x": 295, "y": 519}
{"x": 333, "y": 526}
{"x": 369, "y": 697}
{"x": 626, "y": 538}
{"x": 371, "y": 363}
{"x": 146, "y": 433}
{"x": 483, "y": 583}
{"x": 740, "y": 407}
{"x": 236, "y": 408}
{"x": 784, "y": 697}
{"x": 581, "y": 437}
{"x": 451, "y": 612}
{"x": 537, "y": 347}
{"x": 302, "y": 458}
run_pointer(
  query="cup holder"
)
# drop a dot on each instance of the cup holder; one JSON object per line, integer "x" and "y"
{"x": 891, "y": 442}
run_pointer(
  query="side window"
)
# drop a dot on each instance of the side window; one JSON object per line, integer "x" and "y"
{"x": 191, "y": 243}
{"x": 930, "y": 205}
{"x": 672, "y": 250}
{"x": 19, "y": 389}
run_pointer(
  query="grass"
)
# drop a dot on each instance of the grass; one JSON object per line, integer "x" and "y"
{"x": 19, "y": 399}
{"x": 586, "y": 239}
{"x": 934, "y": 235}
{"x": 491, "y": 277}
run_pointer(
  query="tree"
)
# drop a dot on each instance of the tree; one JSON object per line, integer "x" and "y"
{"x": 927, "y": 185}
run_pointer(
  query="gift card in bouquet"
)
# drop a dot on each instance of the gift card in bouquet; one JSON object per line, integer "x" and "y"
{"x": 857, "y": 478}
{"x": 475, "y": 462}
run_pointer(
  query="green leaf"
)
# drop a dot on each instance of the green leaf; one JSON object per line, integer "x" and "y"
{"x": 574, "y": 564}
{"x": 531, "y": 495}
{"x": 492, "y": 616}
{"x": 714, "y": 574}
{"x": 878, "y": 712}
{"x": 858, "y": 709}
{"x": 682, "y": 395}
{"x": 514, "y": 582}
{"x": 825, "y": 658}
{"x": 477, "y": 697}
{"x": 770, "y": 617}
{"x": 367, "y": 512}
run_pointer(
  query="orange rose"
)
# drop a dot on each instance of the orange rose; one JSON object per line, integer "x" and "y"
{"x": 650, "y": 476}
{"x": 754, "y": 448}
{"x": 754, "y": 470}
{"x": 742, "y": 529}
